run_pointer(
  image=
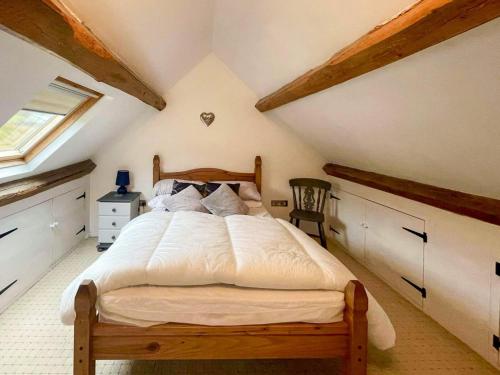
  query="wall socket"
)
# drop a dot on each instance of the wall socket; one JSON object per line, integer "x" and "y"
{"x": 283, "y": 203}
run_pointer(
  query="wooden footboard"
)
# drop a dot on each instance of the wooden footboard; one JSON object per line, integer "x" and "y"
{"x": 346, "y": 339}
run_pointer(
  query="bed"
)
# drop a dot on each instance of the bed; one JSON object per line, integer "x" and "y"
{"x": 96, "y": 338}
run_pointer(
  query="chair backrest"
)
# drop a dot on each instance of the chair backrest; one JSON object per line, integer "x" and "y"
{"x": 309, "y": 194}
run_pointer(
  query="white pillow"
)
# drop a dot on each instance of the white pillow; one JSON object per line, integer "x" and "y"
{"x": 156, "y": 203}
{"x": 224, "y": 202}
{"x": 164, "y": 187}
{"x": 248, "y": 190}
{"x": 186, "y": 200}
{"x": 253, "y": 204}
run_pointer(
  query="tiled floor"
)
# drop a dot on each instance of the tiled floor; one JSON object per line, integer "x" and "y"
{"x": 33, "y": 341}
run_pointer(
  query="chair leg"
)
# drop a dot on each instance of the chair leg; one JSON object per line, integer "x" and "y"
{"x": 322, "y": 237}
{"x": 297, "y": 223}
{"x": 291, "y": 220}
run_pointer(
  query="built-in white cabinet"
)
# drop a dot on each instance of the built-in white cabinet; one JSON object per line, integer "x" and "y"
{"x": 394, "y": 249}
{"x": 35, "y": 237}
{"x": 25, "y": 250}
{"x": 69, "y": 218}
{"x": 443, "y": 263}
{"x": 348, "y": 213}
{"x": 387, "y": 241}
{"x": 495, "y": 308}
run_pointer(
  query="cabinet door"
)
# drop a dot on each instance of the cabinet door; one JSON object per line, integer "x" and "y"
{"x": 494, "y": 311}
{"x": 25, "y": 250}
{"x": 393, "y": 253}
{"x": 69, "y": 216}
{"x": 348, "y": 218}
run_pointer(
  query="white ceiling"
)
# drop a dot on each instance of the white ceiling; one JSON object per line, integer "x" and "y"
{"x": 432, "y": 117}
{"x": 161, "y": 40}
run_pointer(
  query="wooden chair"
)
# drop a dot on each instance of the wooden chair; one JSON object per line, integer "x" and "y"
{"x": 307, "y": 204}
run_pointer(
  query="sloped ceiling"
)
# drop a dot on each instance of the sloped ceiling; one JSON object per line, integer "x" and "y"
{"x": 432, "y": 117}
{"x": 24, "y": 71}
{"x": 161, "y": 40}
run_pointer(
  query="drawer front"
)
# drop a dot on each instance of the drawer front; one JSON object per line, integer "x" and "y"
{"x": 108, "y": 235}
{"x": 114, "y": 209}
{"x": 113, "y": 222}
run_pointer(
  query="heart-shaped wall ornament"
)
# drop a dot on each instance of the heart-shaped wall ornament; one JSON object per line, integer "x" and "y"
{"x": 207, "y": 118}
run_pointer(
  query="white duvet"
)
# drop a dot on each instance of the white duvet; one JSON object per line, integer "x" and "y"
{"x": 192, "y": 248}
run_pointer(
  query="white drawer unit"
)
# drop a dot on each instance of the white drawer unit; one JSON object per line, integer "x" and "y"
{"x": 108, "y": 236}
{"x": 115, "y": 211}
{"x": 116, "y": 208}
{"x": 112, "y": 222}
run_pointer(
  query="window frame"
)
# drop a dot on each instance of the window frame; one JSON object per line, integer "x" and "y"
{"x": 36, "y": 147}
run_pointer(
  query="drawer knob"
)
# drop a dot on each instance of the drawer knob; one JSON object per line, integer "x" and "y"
{"x": 113, "y": 224}
{"x": 113, "y": 237}
{"x": 113, "y": 210}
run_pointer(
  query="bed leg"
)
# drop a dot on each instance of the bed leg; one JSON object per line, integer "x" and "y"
{"x": 83, "y": 362}
{"x": 356, "y": 301}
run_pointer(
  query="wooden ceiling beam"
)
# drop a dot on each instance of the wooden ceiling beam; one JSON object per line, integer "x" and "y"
{"x": 425, "y": 24}
{"x": 475, "y": 206}
{"x": 50, "y": 25}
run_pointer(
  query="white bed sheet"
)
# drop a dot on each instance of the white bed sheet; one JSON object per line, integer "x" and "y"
{"x": 259, "y": 211}
{"x": 194, "y": 249}
{"x": 219, "y": 305}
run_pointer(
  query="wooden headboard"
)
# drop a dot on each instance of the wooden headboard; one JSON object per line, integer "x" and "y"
{"x": 209, "y": 174}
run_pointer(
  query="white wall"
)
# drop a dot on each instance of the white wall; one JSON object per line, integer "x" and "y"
{"x": 459, "y": 262}
{"x": 238, "y": 134}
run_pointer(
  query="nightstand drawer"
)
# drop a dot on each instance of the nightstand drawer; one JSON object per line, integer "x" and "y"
{"x": 108, "y": 235}
{"x": 113, "y": 222}
{"x": 114, "y": 209}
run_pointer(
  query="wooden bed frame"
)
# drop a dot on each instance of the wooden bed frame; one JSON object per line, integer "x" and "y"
{"x": 209, "y": 174}
{"x": 105, "y": 341}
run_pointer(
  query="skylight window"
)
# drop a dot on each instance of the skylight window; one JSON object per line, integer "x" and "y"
{"x": 42, "y": 119}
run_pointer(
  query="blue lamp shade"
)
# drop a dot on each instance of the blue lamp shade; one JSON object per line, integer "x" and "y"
{"x": 122, "y": 180}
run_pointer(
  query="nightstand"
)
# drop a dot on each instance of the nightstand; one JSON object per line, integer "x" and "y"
{"x": 115, "y": 210}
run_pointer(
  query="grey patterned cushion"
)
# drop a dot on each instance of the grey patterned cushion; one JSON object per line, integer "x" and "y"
{"x": 224, "y": 202}
{"x": 164, "y": 187}
{"x": 187, "y": 200}
{"x": 178, "y": 186}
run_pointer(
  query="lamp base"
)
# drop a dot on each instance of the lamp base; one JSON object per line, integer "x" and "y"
{"x": 122, "y": 190}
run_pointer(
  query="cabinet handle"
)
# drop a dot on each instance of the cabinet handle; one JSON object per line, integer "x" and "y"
{"x": 334, "y": 230}
{"x": 113, "y": 237}
{"x": 7, "y": 233}
{"x": 80, "y": 231}
{"x": 81, "y": 196}
{"x": 423, "y": 235}
{"x": 113, "y": 210}
{"x": 422, "y": 291}
{"x": 7, "y": 287}
{"x": 113, "y": 224}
